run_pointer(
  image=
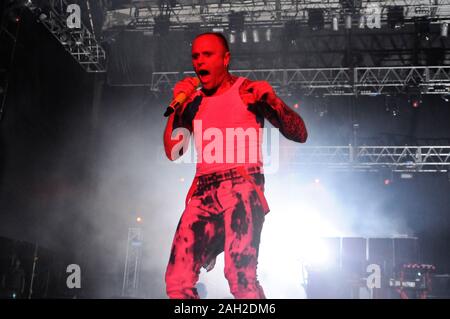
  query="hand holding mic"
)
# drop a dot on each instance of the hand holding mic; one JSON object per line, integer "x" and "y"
{"x": 182, "y": 91}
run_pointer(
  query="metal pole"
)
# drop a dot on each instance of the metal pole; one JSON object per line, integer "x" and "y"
{"x": 35, "y": 258}
{"x": 125, "y": 272}
{"x": 90, "y": 18}
{"x": 10, "y": 67}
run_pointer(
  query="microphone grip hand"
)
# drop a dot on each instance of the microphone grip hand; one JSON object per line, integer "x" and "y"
{"x": 169, "y": 111}
{"x": 179, "y": 99}
{"x": 186, "y": 85}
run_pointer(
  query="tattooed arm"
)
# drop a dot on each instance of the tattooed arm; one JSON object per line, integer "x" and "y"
{"x": 179, "y": 124}
{"x": 261, "y": 98}
{"x": 176, "y": 137}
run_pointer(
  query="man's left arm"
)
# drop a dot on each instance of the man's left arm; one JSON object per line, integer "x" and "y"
{"x": 264, "y": 100}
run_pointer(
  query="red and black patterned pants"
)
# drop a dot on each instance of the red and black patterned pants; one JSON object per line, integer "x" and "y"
{"x": 223, "y": 215}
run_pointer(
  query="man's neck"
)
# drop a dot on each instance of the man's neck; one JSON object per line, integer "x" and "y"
{"x": 225, "y": 85}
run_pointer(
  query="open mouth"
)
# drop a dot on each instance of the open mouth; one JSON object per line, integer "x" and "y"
{"x": 203, "y": 72}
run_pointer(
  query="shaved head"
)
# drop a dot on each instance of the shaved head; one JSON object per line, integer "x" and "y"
{"x": 223, "y": 41}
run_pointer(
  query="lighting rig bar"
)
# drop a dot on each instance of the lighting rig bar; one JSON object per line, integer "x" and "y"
{"x": 369, "y": 81}
{"x": 79, "y": 42}
{"x": 140, "y": 14}
{"x": 420, "y": 159}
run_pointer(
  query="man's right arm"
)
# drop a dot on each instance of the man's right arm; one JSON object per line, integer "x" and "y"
{"x": 179, "y": 124}
{"x": 176, "y": 137}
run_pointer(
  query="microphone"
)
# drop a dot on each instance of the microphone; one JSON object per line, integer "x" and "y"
{"x": 180, "y": 99}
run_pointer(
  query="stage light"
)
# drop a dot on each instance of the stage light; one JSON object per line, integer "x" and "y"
{"x": 372, "y": 14}
{"x": 335, "y": 23}
{"x": 415, "y": 101}
{"x": 269, "y": 35}
{"x": 255, "y": 35}
{"x": 42, "y": 17}
{"x": 386, "y": 176}
{"x": 244, "y": 36}
{"x": 362, "y": 21}
{"x": 236, "y": 21}
{"x": 315, "y": 19}
{"x": 348, "y": 21}
{"x": 444, "y": 29}
{"x": 395, "y": 17}
{"x": 232, "y": 37}
{"x": 444, "y": 97}
{"x": 138, "y": 219}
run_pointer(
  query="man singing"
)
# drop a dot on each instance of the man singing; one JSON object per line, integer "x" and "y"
{"x": 225, "y": 207}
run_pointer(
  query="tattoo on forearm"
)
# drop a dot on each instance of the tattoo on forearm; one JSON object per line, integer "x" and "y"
{"x": 290, "y": 123}
{"x": 280, "y": 115}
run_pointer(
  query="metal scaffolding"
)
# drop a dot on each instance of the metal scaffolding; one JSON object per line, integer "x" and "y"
{"x": 141, "y": 13}
{"x": 130, "y": 287}
{"x": 79, "y": 42}
{"x": 420, "y": 159}
{"x": 336, "y": 81}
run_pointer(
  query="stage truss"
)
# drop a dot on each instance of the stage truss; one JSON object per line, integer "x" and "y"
{"x": 419, "y": 159}
{"x": 80, "y": 43}
{"x": 371, "y": 81}
{"x": 132, "y": 270}
{"x": 141, "y": 13}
